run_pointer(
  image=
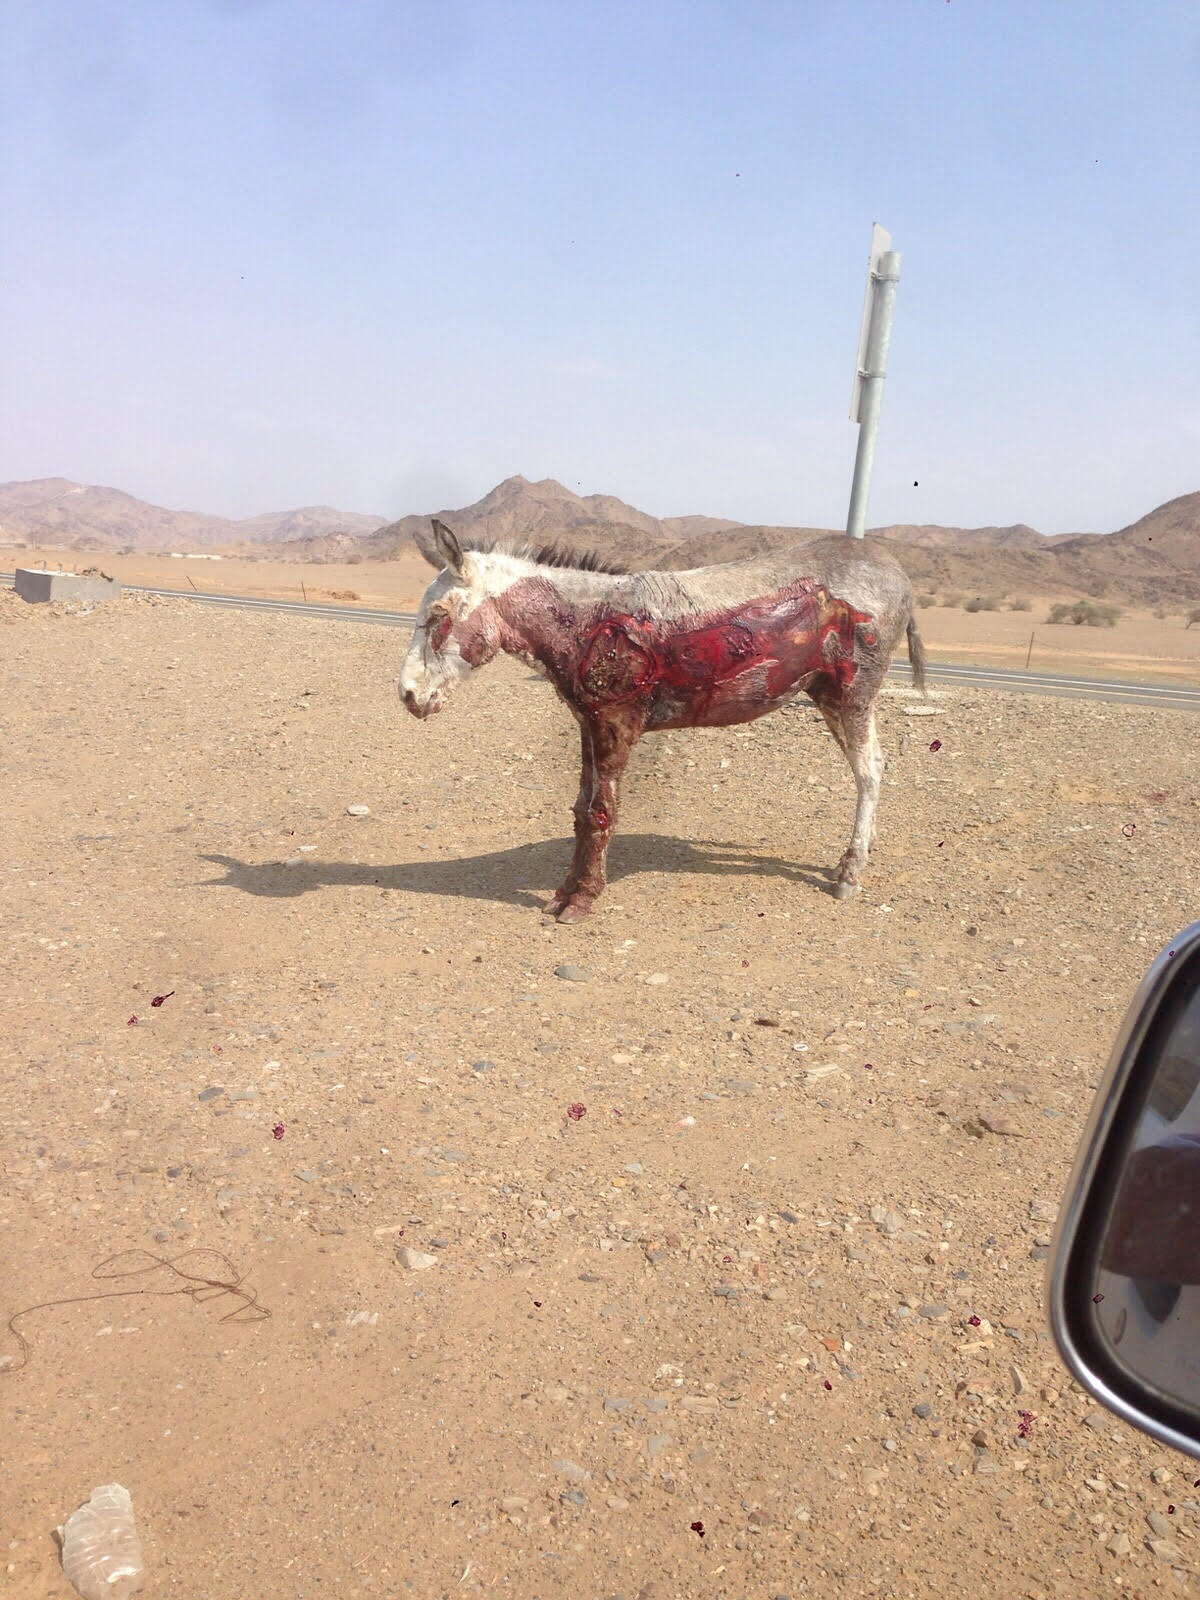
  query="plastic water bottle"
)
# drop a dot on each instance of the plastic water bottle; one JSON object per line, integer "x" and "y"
{"x": 101, "y": 1551}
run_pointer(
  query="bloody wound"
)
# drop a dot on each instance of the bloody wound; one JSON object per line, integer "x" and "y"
{"x": 724, "y": 669}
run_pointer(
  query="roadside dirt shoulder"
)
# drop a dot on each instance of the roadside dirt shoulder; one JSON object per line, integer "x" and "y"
{"x": 739, "y": 1232}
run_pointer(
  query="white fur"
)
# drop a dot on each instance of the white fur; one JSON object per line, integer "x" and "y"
{"x": 426, "y": 675}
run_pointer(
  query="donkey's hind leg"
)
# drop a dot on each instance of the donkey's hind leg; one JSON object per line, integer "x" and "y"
{"x": 854, "y": 729}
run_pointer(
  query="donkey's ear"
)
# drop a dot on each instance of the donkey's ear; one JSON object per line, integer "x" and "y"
{"x": 423, "y": 539}
{"x": 449, "y": 551}
{"x": 440, "y": 547}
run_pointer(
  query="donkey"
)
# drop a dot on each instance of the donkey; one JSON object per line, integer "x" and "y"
{"x": 636, "y": 652}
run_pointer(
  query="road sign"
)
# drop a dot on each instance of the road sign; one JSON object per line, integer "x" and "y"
{"x": 870, "y": 368}
{"x": 881, "y": 242}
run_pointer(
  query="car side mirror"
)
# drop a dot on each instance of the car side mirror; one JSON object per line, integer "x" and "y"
{"x": 1124, "y": 1280}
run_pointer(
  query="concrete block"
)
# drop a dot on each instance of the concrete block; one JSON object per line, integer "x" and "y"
{"x": 33, "y": 583}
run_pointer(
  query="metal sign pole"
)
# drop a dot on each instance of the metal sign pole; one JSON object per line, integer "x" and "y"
{"x": 874, "y": 337}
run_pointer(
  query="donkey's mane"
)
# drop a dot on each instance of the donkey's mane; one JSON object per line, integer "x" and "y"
{"x": 551, "y": 555}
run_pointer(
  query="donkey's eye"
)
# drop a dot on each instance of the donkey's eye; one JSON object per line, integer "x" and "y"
{"x": 438, "y": 629}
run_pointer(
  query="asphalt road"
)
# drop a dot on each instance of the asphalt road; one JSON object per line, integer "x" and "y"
{"x": 950, "y": 675}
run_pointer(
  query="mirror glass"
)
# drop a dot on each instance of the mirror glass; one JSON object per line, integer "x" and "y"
{"x": 1146, "y": 1299}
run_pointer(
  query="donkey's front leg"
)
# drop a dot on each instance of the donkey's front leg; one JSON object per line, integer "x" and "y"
{"x": 582, "y": 804}
{"x": 606, "y": 746}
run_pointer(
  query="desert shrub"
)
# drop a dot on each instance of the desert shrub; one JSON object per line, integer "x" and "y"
{"x": 982, "y": 602}
{"x": 1089, "y": 613}
{"x": 952, "y": 598}
{"x": 1020, "y": 603}
{"x": 1192, "y": 616}
{"x": 926, "y": 600}
{"x": 1161, "y": 613}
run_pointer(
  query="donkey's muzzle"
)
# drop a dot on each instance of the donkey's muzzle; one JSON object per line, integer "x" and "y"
{"x": 418, "y": 710}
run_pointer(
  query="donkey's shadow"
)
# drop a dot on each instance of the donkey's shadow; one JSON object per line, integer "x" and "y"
{"x": 526, "y": 875}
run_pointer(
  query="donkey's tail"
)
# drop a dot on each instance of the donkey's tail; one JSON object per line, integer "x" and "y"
{"x": 916, "y": 653}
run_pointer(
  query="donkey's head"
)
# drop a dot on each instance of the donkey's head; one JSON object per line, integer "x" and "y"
{"x": 456, "y": 629}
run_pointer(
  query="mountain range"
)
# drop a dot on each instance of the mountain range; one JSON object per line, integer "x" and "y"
{"x": 1155, "y": 560}
{"x": 55, "y": 511}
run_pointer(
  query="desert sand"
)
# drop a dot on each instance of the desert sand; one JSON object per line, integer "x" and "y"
{"x": 738, "y": 1233}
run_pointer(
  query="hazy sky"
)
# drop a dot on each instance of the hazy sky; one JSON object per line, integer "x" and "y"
{"x": 384, "y": 253}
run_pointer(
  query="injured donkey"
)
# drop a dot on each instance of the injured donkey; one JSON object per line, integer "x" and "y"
{"x": 636, "y": 652}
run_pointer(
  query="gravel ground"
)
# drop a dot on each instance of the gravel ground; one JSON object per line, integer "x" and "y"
{"x": 709, "y": 1265}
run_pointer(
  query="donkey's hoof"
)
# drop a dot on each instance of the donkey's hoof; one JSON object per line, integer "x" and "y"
{"x": 845, "y": 891}
{"x": 575, "y": 911}
{"x": 557, "y": 901}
